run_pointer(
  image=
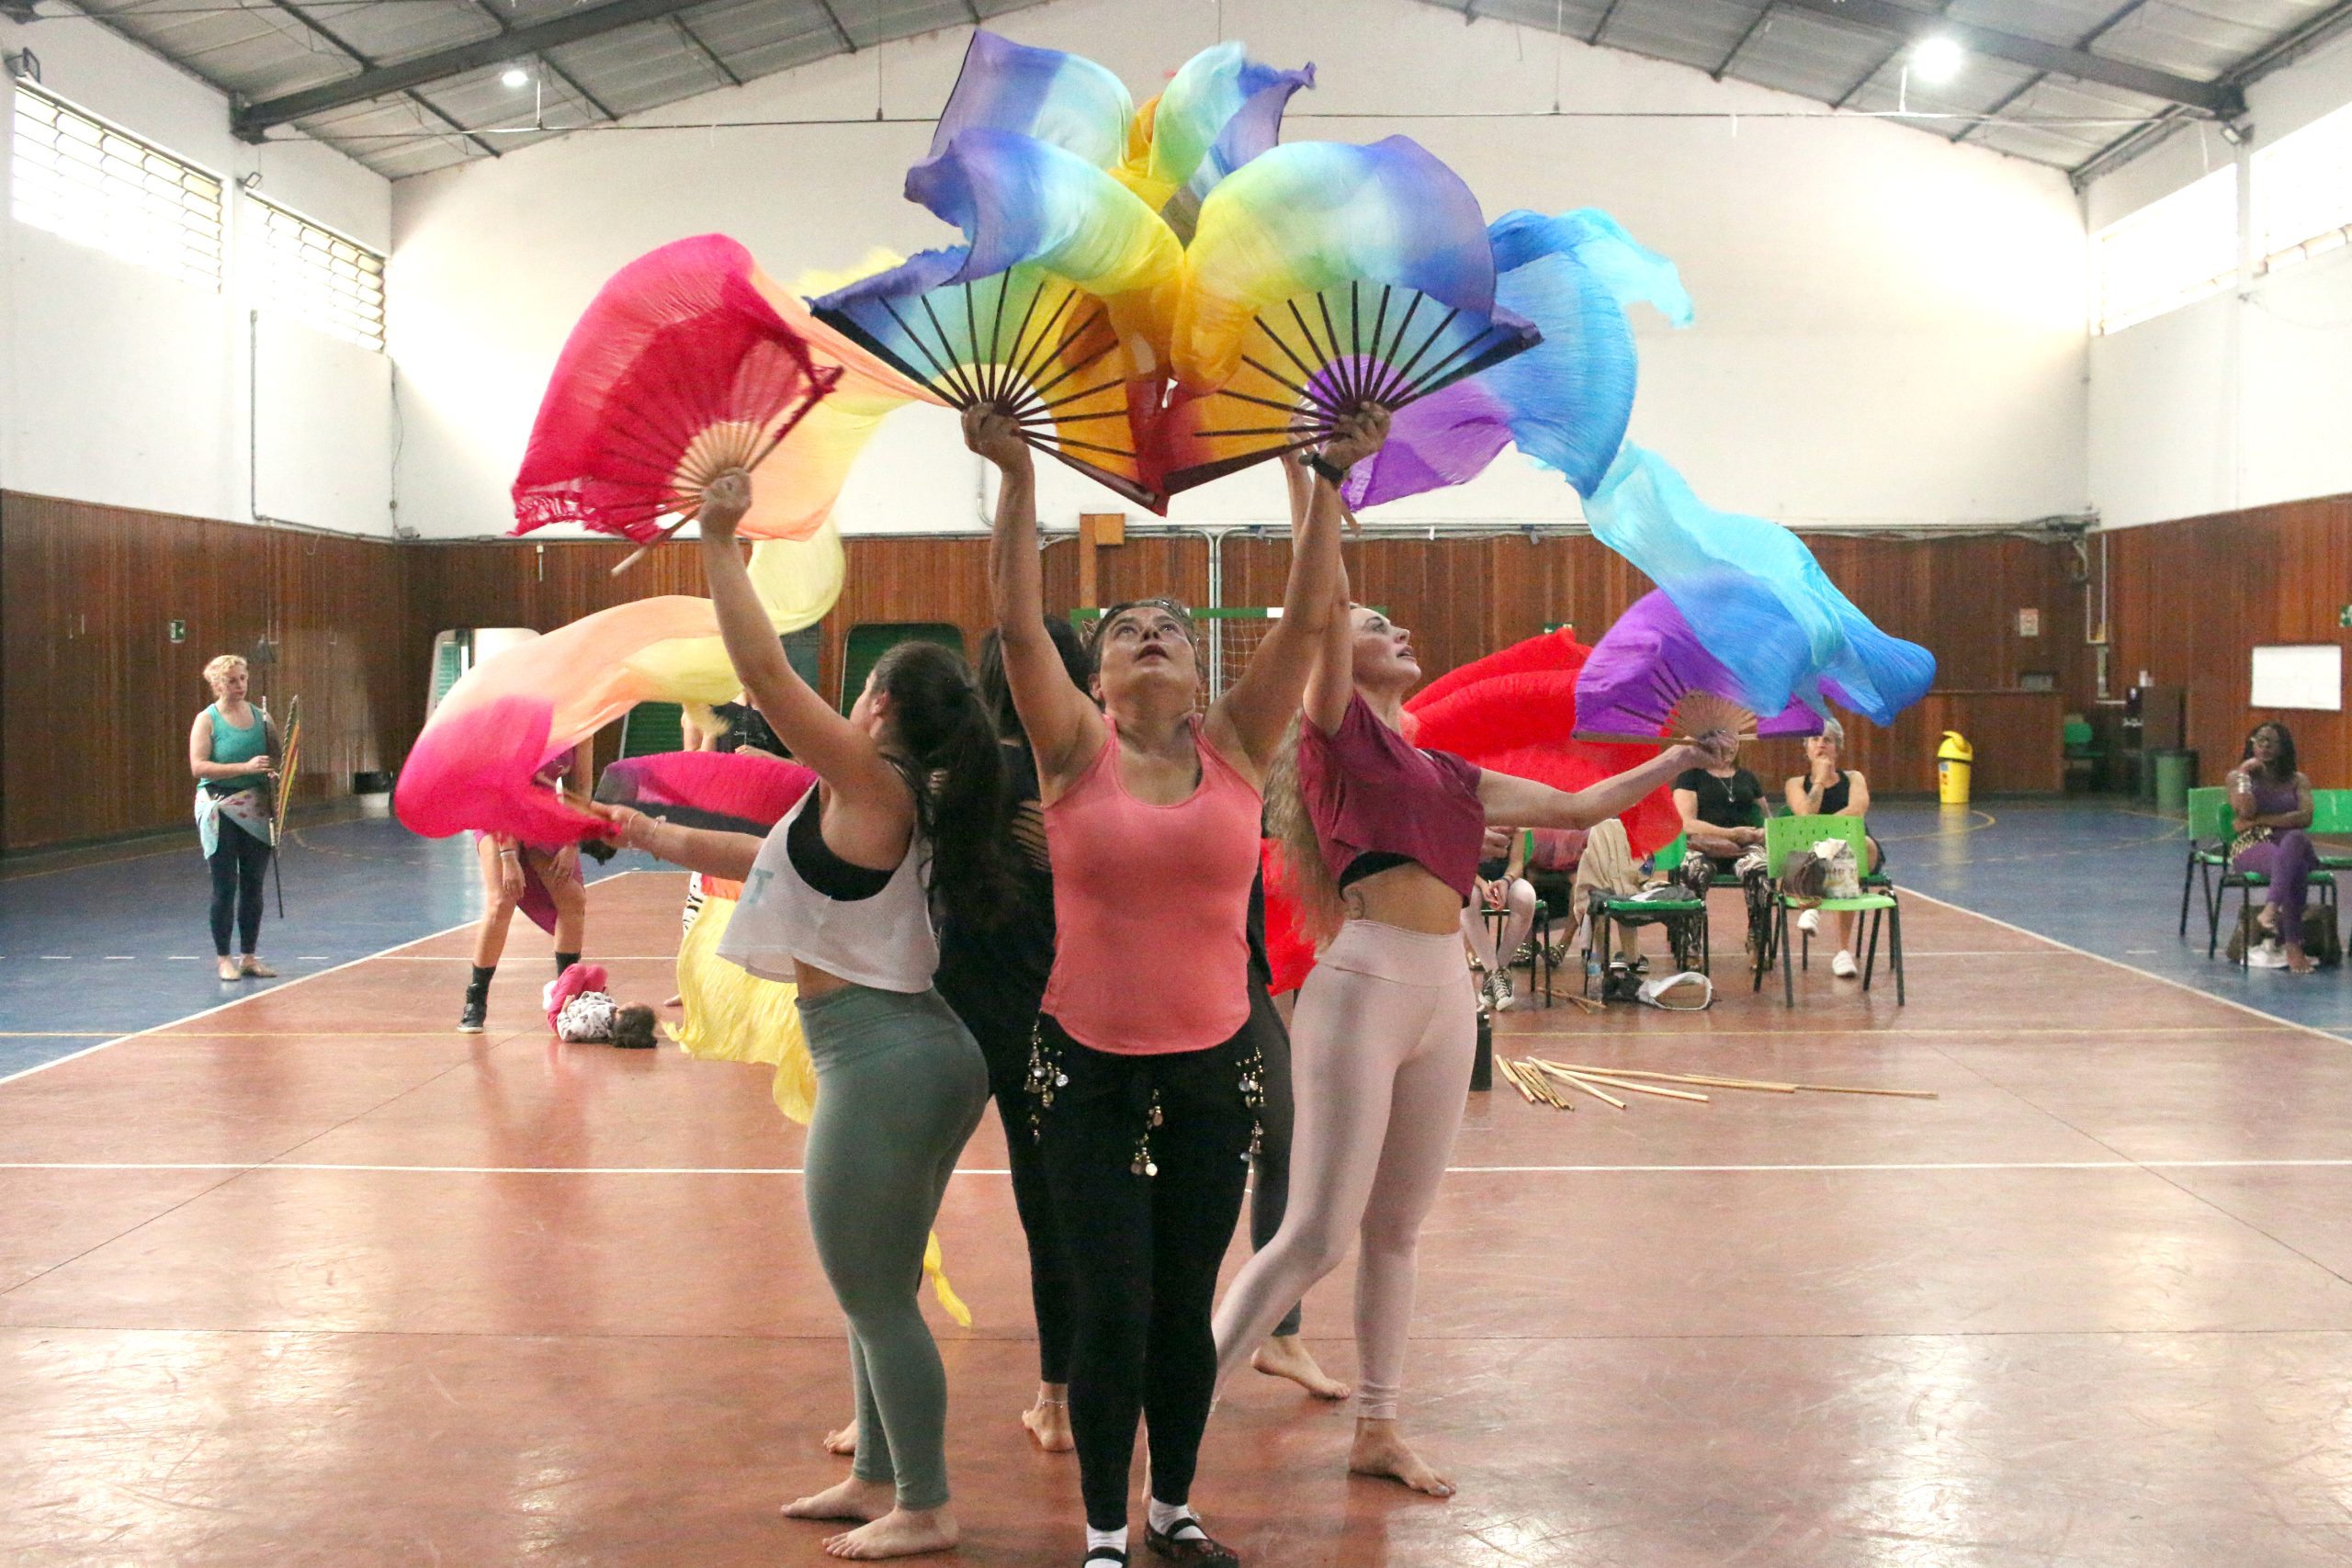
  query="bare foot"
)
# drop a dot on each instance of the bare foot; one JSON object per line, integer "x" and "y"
{"x": 1284, "y": 1355}
{"x": 901, "y": 1532}
{"x": 843, "y": 1441}
{"x": 1380, "y": 1449}
{"x": 2297, "y": 961}
{"x": 1048, "y": 1418}
{"x": 230, "y": 970}
{"x": 851, "y": 1499}
{"x": 676, "y": 1001}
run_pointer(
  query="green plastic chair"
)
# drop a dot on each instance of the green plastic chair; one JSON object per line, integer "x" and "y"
{"x": 2208, "y": 846}
{"x": 2331, "y": 814}
{"x": 1684, "y": 919}
{"x": 1786, "y": 835}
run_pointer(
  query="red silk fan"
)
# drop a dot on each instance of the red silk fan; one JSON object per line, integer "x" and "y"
{"x": 679, "y": 371}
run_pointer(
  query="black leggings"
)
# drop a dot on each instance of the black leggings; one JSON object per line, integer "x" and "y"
{"x": 238, "y": 861}
{"x": 1270, "y": 1166}
{"x": 1143, "y": 1248}
{"x": 1005, "y": 1045}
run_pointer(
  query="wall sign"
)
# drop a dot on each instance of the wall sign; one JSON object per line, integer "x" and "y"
{"x": 179, "y": 631}
{"x": 2029, "y": 623}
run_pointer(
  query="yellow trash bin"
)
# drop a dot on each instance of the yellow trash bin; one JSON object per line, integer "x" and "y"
{"x": 1955, "y": 759}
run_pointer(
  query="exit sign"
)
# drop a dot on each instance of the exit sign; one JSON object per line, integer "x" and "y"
{"x": 2343, "y": 616}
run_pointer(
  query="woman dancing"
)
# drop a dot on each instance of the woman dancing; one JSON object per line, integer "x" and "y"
{"x": 1384, "y": 840}
{"x": 909, "y": 791}
{"x": 1144, "y": 1088}
{"x": 994, "y": 975}
{"x": 230, "y": 748}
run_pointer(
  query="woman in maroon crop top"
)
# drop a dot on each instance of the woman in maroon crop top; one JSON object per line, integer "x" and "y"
{"x": 1384, "y": 840}
{"x": 1143, "y": 1077}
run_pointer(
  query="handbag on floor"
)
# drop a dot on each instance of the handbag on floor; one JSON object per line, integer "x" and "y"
{"x": 2321, "y": 939}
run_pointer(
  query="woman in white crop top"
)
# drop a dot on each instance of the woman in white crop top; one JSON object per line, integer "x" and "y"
{"x": 910, "y": 796}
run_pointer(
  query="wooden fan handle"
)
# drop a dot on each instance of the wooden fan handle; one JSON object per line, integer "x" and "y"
{"x": 643, "y": 550}
{"x": 1619, "y": 737}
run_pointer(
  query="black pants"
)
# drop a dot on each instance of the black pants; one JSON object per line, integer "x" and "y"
{"x": 1143, "y": 1249}
{"x": 1270, "y": 1166}
{"x": 1005, "y": 1043}
{"x": 239, "y": 861}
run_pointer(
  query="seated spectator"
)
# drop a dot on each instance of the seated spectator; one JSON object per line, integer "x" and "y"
{"x": 1502, "y": 885}
{"x": 2272, "y": 803}
{"x": 1723, "y": 812}
{"x": 1828, "y": 788}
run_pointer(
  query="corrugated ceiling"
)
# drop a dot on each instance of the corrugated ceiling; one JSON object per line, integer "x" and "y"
{"x": 262, "y": 50}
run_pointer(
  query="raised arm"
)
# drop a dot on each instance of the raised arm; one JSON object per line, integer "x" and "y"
{"x": 1064, "y": 727}
{"x": 1332, "y": 681}
{"x": 1259, "y": 707}
{"x": 1524, "y": 803}
{"x": 843, "y": 755}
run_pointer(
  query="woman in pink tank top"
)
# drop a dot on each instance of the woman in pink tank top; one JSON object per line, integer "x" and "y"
{"x": 1385, "y": 1025}
{"x": 1145, "y": 1091}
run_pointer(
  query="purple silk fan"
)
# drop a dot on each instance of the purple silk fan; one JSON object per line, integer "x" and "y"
{"x": 1649, "y": 661}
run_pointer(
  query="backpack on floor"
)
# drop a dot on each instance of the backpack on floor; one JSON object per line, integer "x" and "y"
{"x": 2321, "y": 939}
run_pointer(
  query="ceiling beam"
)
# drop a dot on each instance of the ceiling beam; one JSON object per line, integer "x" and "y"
{"x": 365, "y": 64}
{"x": 2114, "y": 19}
{"x": 840, "y": 31}
{"x": 686, "y": 31}
{"x": 1755, "y": 25}
{"x": 1601, "y": 27}
{"x": 555, "y": 70}
{"x": 1885, "y": 18}
{"x": 253, "y": 120}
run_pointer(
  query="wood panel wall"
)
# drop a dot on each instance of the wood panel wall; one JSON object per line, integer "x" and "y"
{"x": 96, "y": 699}
{"x": 93, "y": 691}
{"x": 2189, "y": 603}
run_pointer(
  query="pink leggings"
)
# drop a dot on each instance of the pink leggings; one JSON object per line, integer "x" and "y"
{"x": 1381, "y": 1049}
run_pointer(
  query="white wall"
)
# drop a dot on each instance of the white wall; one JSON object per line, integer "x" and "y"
{"x": 123, "y": 387}
{"x": 1890, "y": 329}
{"x": 2239, "y": 400}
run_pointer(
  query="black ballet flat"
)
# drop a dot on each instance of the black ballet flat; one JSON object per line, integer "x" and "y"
{"x": 1198, "y": 1548}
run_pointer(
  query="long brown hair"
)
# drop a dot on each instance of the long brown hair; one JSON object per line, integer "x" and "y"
{"x": 1305, "y": 877}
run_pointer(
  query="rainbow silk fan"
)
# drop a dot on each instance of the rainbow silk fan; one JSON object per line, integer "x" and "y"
{"x": 679, "y": 371}
{"x": 1321, "y": 278}
{"x": 1048, "y": 311}
{"x": 1651, "y": 680}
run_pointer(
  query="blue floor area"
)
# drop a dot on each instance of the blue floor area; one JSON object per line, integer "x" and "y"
{"x": 93, "y": 952}
{"x": 2098, "y": 877}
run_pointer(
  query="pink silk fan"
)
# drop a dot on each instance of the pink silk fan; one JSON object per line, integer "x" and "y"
{"x": 679, "y": 371}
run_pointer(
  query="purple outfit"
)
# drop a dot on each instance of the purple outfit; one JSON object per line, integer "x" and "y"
{"x": 1371, "y": 791}
{"x": 2288, "y": 858}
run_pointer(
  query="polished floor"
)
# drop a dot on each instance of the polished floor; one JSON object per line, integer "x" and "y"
{"x": 310, "y": 1278}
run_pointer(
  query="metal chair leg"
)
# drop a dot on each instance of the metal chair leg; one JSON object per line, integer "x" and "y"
{"x": 1788, "y": 975}
{"x": 1870, "y": 955}
{"x": 2188, "y": 876}
{"x": 1894, "y": 949}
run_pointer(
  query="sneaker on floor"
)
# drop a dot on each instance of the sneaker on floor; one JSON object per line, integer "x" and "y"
{"x": 2268, "y": 956}
{"x": 1809, "y": 921}
{"x": 470, "y": 1020}
{"x": 1843, "y": 965}
{"x": 1505, "y": 998}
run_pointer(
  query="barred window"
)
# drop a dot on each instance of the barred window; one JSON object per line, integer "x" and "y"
{"x": 316, "y": 276}
{"x": 2169, "y": 254}
{"x": 86, "y": 181}
{"x": 2302, "y": 192}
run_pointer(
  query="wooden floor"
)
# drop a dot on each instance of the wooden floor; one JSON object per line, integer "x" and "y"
{"x": 313, "y": 1280}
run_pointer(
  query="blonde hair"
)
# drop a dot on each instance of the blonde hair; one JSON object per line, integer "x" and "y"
{"x": 1304, "y": 875}
{"x": 220, "y": 668}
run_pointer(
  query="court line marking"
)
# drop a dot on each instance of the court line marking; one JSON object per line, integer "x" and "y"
{"x": 1814, "y": 1169}
{"x": 1798, "y": 1032}
{"x": 2184, "y": 986}
{"x": 257, "y": 995}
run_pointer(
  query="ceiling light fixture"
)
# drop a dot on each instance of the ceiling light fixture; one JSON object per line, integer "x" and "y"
{"x": 514, "y": 77}
{"x": 1938, "y": 60}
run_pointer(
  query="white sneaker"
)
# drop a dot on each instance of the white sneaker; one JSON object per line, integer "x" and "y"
{"x": 1505, "y": 998}
{"x": 1809, "y": 921}
{"x": 2268, "y": 956}
{"x": 1843, "y": 965}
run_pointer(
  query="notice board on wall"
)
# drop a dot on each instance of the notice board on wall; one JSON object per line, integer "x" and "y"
{"x": 2299, "y": 675}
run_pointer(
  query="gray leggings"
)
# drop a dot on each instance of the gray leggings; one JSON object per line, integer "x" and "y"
{"x": 900, "y": 1087}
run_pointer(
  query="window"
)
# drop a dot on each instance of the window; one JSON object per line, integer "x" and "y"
{"x": 2168, "y": 254}
{"x": 316, "y": 276}
{"x": 88, "y": 182}
{"x": 2302, "y": 192}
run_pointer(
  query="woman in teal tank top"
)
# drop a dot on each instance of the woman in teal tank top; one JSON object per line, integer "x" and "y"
{"x": 232, "y": 751}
